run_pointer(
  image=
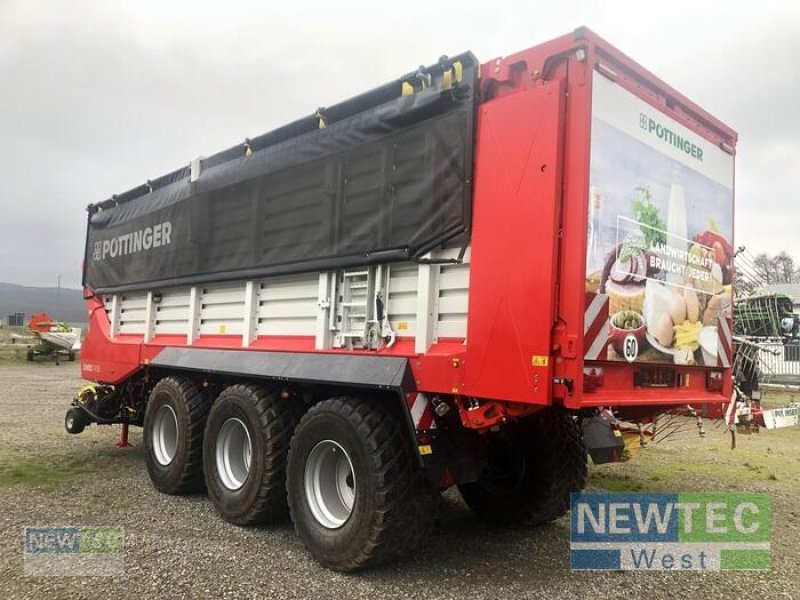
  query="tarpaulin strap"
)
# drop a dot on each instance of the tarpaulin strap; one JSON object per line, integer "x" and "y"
{"x": 452, "y": 75}
{"x": 323, "y": 121}
{"x": 458, "y": 71}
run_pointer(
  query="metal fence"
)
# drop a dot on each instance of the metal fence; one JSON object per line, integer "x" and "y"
{"x": 779, "y": 362}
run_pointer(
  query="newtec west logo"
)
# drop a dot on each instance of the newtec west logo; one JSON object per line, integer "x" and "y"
{"x": 74, "y": 551}
{"x": 668, "y": 136}
{"x": 73, "y": 540}
{"x": 672, "y": 532}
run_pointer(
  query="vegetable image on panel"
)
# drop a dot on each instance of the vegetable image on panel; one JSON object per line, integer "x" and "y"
{"x": 660, "y": 231}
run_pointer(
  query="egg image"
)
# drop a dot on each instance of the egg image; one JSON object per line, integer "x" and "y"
{"x": 677, "y": 308}
{"x": 663, "y": 333}
{"x": 692, "y": 305}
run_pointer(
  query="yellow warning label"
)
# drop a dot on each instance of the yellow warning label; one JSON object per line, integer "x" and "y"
{"x": 617, "y": 433}
{"x": 540, "y": 360}
{"x": 425, "y": 450}
{"x": 222, "y": 329}
{"x": 402, "y": 325}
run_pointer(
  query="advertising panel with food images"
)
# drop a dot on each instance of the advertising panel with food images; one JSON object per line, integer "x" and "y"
{"x": 660, "y": 232}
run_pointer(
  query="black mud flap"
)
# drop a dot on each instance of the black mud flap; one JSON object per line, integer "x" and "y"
{"x": 382, "y": 372}
{"x": 603, "y": 441}
{"x": 389, "y": 373}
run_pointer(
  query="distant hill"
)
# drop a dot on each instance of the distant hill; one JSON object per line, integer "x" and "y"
{"x": 63, "y": 305}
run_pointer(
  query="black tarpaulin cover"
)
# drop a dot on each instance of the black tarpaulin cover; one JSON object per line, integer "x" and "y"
{"x": 388, "y": 178}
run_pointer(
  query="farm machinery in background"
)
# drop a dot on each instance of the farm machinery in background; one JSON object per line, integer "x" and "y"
{"x": 55, "y": 339}
{"x": 766, "y": 336}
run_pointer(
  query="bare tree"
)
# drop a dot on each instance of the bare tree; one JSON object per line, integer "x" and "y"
{"x": 784, "y": 268}
{"x": 755, "y": 272}
{"x": 745, "y": 284}
{"x": 764, "y": 268}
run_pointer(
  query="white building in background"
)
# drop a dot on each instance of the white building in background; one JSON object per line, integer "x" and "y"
{"x": 779, "y": 361}
{"x": 789, "y": 289}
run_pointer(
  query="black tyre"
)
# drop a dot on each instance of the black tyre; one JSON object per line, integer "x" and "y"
{"x": 75, "y": 420}
{"x": 173, "y": 435}
{"x": 532, "y": 470}
{"x": 29, "y": 354}
{"x": 245, "y": 449}
{"x": 357, "y": 494}
{"x": 71, "y": 356}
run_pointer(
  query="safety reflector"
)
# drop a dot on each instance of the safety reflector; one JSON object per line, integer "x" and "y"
{"x": 725, "y": 343}
{"x": 421, "y": 411}
{"x": 595, "y": 331}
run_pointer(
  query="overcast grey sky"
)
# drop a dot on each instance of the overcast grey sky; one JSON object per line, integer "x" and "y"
{"x": 96, "y": 97}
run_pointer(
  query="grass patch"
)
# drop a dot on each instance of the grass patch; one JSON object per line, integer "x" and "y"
{"x": 777, "y": 398}
{"x": 613, "y": 482}
{"x": 13, "y": 357}
{"x": 723, "y": 470}
{"x": 42, "y": 471}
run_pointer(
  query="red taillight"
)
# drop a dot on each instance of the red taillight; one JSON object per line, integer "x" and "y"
{"x": 714, "y": 381}
{"x": 592, "y": 378}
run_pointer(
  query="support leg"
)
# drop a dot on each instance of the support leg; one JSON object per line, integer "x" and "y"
{"x": 123, "y": 438}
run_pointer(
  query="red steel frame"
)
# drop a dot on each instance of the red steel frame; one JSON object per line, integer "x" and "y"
{"x": 527, "y": 302}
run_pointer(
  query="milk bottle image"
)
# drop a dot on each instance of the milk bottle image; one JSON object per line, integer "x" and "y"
{"x": 676, "y": 226}
{"x": 594, "y": 250}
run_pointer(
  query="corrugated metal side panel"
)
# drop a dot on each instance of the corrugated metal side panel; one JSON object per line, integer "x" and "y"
{"x": 172, "y": 313}
{"x": 453, "y": 297}
{"x": 108, "y": 299}
{"x": 288, "y": 305}
{"x": 402, "y": 298}
{"x": 453, "y": 302}
{"x": 133, "y": 309}
{"x": 222, "y": 309}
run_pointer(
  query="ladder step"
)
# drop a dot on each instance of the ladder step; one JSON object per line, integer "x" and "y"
{"x": 356, "y": 273}
{"x": 353, "y": 304}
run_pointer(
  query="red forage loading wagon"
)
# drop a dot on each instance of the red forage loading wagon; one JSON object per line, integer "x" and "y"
{"x": 452, "y": 279}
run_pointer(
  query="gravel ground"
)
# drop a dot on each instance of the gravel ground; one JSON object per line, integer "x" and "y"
{"x": 179, "y": 547}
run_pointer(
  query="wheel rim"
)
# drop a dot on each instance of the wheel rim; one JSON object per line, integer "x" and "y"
{"x": 233, "y": 452}
{"x": 70, "y": 421}
{"x": 330, "y": 484}
{"x": 165, "y": 435}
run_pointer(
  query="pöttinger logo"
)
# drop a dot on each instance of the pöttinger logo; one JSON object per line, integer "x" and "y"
{"x": 695, "y": 531}
{"x": 643, "y": 121}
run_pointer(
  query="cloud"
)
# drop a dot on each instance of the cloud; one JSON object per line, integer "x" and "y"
{"x": 96, "y": 97}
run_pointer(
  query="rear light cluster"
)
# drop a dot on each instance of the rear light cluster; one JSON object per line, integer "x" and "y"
{"x": 592, "y": 378}
{"x": 714, "y": 381}
{"x": 654, "y": 377}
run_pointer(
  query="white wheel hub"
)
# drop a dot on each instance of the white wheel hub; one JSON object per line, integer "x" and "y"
{"x": 233, "y": 453}
{"x": 165, "y": 435}
{"x": 330, "y": 484}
